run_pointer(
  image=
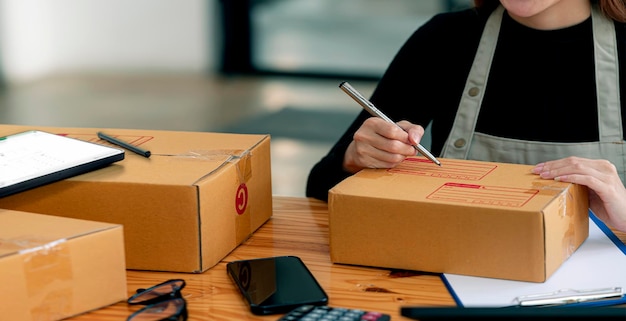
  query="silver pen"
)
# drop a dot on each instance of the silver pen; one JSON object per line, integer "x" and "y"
{"x": 367, "y": 105}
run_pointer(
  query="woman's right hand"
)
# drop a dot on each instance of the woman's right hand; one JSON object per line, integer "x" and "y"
{"x": 379, "y": 144}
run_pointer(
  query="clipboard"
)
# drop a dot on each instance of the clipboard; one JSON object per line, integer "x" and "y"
{"x": 515, "y": 313}
{"x": 594, "y": 276}
{"x": 33, "y": 158}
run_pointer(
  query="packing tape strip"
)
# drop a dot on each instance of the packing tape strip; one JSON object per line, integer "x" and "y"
{"x": 566, "y": 207}
{"x": 243, "y": 221}
{"x": 242, "y": 160}
{"x": 48, "y": 271}
{"x": 210, "y": 155}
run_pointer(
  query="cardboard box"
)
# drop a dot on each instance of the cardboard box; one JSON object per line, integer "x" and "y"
{"x": 467, "y": 217}
{"x": 183, "y": 209}
{"x": 53, "y": 267}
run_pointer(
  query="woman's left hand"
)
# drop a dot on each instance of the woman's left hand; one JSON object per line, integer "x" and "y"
{"x": 607, "y": 194}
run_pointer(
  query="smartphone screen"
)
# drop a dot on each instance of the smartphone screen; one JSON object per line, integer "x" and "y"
{"x": 276, "y": 284}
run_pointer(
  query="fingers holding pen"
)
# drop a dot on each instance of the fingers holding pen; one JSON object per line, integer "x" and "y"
{"x": 415, "y": 132}
{"x": 385, "y": 137}
{"x": 385, "y": 132}
{"x": 378, "y": 144}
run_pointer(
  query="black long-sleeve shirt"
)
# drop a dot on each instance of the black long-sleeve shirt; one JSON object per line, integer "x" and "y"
{"x": 541, "y": 86}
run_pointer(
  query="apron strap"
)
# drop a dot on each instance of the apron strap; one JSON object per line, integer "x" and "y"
{"x": 607, "y": 78}
{"x": 459, "y": 141}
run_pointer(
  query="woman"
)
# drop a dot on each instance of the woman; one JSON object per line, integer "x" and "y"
{"x": 518, "y": 81}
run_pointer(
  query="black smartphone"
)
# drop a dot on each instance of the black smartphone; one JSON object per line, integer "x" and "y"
{"x": 276, "y": 284}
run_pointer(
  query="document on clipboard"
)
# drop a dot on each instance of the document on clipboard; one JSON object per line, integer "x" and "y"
{"x": 34, "y": 158}
{"x": 595, "y": 275}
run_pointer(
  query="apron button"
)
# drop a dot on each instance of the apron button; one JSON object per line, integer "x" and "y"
{"x": 459, "y": 143}
{"x": 473, "y": 92}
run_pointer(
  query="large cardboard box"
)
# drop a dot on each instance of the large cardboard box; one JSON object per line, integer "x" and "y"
{"x": 53, "y": 267}
{"x": 467, "y": 217}
{"x": 196, "y": 198}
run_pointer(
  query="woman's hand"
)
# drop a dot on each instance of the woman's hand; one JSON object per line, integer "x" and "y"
{"x": 607, "y": 195}
{"x": 379, "y": 144}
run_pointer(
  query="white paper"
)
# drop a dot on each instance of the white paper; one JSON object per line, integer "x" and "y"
{"x": 598, "y": 263}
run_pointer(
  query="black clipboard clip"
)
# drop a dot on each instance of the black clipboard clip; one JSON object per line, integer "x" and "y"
{"x": 568, "y": 296}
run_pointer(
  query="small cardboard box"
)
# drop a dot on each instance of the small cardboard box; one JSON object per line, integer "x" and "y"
{"x": 467, "y": 217}
{"x": 53, "y": 267}
{"x": 196, "y": 198}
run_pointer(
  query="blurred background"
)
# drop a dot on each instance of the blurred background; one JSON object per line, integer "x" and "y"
{"x": 240, "y": 66}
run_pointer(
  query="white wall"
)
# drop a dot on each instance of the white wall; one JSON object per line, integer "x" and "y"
{"x": 40, "y": 37}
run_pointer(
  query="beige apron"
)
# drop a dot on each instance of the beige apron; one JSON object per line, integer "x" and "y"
{"x": 465, "y": 143}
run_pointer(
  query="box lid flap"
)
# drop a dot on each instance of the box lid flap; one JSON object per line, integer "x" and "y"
{"x": 191, "y": 155}
{"x": 23, "y": 231}
{"x": 463, "y": 182}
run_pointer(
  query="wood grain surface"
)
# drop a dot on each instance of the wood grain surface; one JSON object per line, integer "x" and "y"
{"x": 299, "y": 226}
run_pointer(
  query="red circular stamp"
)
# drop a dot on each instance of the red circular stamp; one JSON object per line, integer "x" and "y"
{"x": 241, "y": 199}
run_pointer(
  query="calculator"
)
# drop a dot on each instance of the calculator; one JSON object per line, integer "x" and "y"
{"x": 315, "y": 313}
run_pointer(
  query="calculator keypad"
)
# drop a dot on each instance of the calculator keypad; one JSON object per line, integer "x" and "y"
{"x": 326, "y": 313}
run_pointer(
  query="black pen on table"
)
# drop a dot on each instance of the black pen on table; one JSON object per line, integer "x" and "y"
{"x": 367, "y": 105}
{"x": 115, "y": 141}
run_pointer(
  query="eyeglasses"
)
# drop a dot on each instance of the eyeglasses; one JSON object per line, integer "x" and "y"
{"x": 163, "y": 302}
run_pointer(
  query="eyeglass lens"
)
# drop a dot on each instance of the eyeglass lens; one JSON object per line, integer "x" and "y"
{"x": 174, "y": 310}
{"x": 165, "y": 289}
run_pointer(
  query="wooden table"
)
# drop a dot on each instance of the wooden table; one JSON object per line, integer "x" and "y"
{"x": 299, "y": 226}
